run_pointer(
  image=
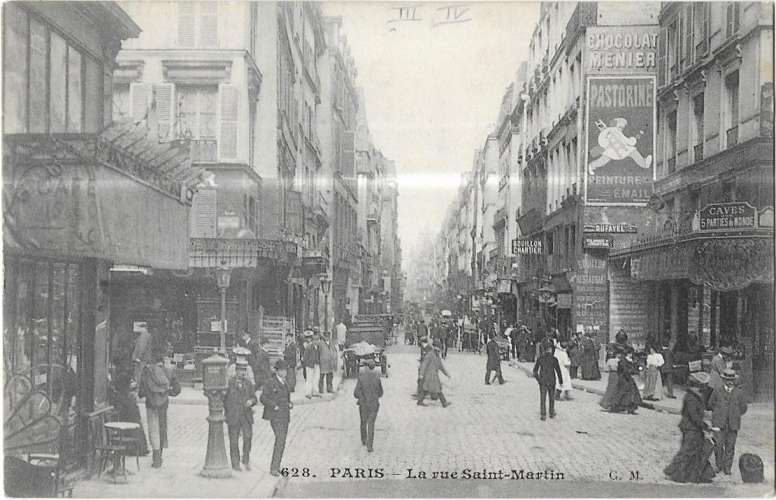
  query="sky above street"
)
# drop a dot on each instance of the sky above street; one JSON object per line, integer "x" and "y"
{"x": 433, "y": 91}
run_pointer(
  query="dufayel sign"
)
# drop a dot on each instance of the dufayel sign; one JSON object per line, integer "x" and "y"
{"x": 727, "y": 216}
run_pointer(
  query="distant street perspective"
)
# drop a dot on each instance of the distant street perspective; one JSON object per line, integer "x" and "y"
{"x": 321, "y": 249}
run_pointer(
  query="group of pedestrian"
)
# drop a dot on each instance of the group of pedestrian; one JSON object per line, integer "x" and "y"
{"x": 320, "y": 359}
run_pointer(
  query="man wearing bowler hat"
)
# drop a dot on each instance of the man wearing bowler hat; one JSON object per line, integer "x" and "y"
{"x": 368, "y": 392}
{"x": 727, "y": 404}
{"x": 276, "y": 399}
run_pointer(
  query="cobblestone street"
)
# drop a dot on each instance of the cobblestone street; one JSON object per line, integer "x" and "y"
{"x": 487, "y": 427}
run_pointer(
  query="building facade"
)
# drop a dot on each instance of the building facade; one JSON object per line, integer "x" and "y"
{"x": 705, "y": 266}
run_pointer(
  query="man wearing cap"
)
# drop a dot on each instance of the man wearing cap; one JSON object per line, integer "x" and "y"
{"x": 238, "y": 408}
{"x": 276, "y": 399}
{"x": 727, "y": 405}
{"x": 327, "y": 359}
{"x": 368, "y": 392}
{"x": 718, "y": 365}
{"x": 242, "y": 354}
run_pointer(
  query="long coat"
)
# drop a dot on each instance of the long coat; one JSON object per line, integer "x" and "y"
{"x": 276, "y": 398}
{"x": 429, "y": 372}
{"x": 237, "y": 395}
{"x": 494, "y": 360}
{"x": 727, "y": 408}
{"x": 368, "y": 389}
{"x": 328, "y": 357}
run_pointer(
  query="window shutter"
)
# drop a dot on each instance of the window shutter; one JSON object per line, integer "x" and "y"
{"x": 208, "y": 24}
{"x": 661, "y": 58}
{"x": 139, "y": 98}
{"x": 203, "y": 214}
{"x": 165, "y": 109}
{"x": 227, "y": 132}
{"x": 186, "y": 23}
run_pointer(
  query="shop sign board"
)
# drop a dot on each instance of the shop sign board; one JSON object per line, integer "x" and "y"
{"x": 626, "y": 49}
{"x": 727, "y": 216}
{"x": 526, "y": 247}
{"x": 592, "y": 242}
{"x": 610, "y": 228}
{"x": 590, "y": 286}
{"x": 620, "y": 140}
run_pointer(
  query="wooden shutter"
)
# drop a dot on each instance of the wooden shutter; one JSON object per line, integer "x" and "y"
{"x": 662, "y": 59}
{"x": 208, "y": 25}
{"x": 186, "y": 23}
{"x": 228, "y": 108}
{"x": 165, "y": 108}
{"x": 204, "y": 214}
{"x": 139, "y": 99}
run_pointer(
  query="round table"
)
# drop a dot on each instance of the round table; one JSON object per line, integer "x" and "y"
{"x": 115, "y": 431}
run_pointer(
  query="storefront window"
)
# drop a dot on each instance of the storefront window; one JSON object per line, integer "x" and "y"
{"x": 15, "y": 75}
{"x": 74, "y": 89}
{"x": 58, "y": 83}
{"x": 38, "y": 83}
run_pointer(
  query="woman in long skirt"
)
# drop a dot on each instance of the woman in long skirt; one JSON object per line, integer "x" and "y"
{"x": 627, "y": 397}
{"x": 653, "y": 387}
{"x": 563, "y": 360}
{"x": 611, "y": 384}
{"x": 691, "y": 463}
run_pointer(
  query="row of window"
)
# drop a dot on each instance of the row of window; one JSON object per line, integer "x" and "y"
{"x": 51, "y": 86}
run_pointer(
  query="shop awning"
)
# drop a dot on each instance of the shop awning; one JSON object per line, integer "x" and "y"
{"x": 120, "y": 195}
{"x": 722, "y": 261}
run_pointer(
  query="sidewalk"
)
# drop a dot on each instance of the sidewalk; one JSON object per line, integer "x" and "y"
{"x": 180, "y": 476}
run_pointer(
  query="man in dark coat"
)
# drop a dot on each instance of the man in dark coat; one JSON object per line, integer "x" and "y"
{"x": 238, "y": 408}
{"x": 545, "y": 369}
{"x": 727, "y": 405}
{"x": 276, "y": 399}
{"x": 262, "y": 370}
{"x": 494, "y": 361}
{"x": 429, "y": 374}
{"x": 368, "y": 392}
{"x": 290, "y": 356}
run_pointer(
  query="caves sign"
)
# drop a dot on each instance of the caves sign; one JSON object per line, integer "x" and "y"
{"x": 620, "y": 140}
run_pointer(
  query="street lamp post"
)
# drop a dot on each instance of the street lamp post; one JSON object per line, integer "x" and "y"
{"x": 325, "y": 287}
{"x": 223, "y": 275}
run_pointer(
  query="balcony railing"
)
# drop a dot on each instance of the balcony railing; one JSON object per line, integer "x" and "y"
{"x": 204, "y": 150}
{"x": 698, "y": 152}
{"x": 732, "y": 137}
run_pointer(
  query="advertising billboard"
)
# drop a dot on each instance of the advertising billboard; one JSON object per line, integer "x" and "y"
{"x": 620, "y": 121}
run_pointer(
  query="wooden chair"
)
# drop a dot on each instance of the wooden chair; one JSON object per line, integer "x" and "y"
{"x": 104, "y": 450}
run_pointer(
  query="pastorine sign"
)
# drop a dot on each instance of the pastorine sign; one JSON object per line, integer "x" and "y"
{"x": 620, "y": 140}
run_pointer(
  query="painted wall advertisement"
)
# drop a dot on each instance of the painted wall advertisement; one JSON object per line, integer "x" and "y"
{"x": 591, "y": 310}
{"x": 620, "y": 140}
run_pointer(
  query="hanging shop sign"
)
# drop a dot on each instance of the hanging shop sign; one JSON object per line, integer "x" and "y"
{"x": 621, "y": 49}
{"x": 727, "y": 216}
{"x": 610, "y": 228}
{"x": 526, "y": 247}
{"x": 592, "y": 242}
{"x": 620, "y": 141}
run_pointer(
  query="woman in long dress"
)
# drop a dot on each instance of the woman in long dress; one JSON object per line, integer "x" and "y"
{"x": 563, "y": 360}
{"x": 627, "y": 397}
{"x": 691, "y": 463}
{"x": 611, "y": 383}
{"x": 653, "y": 386}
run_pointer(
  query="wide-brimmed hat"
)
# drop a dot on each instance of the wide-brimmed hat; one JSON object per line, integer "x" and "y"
{"x": 726, "y": 350}
{"x": 699, "y": 378}
{"x": 308, "y": 333}
{"x": 729, "y": 374}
